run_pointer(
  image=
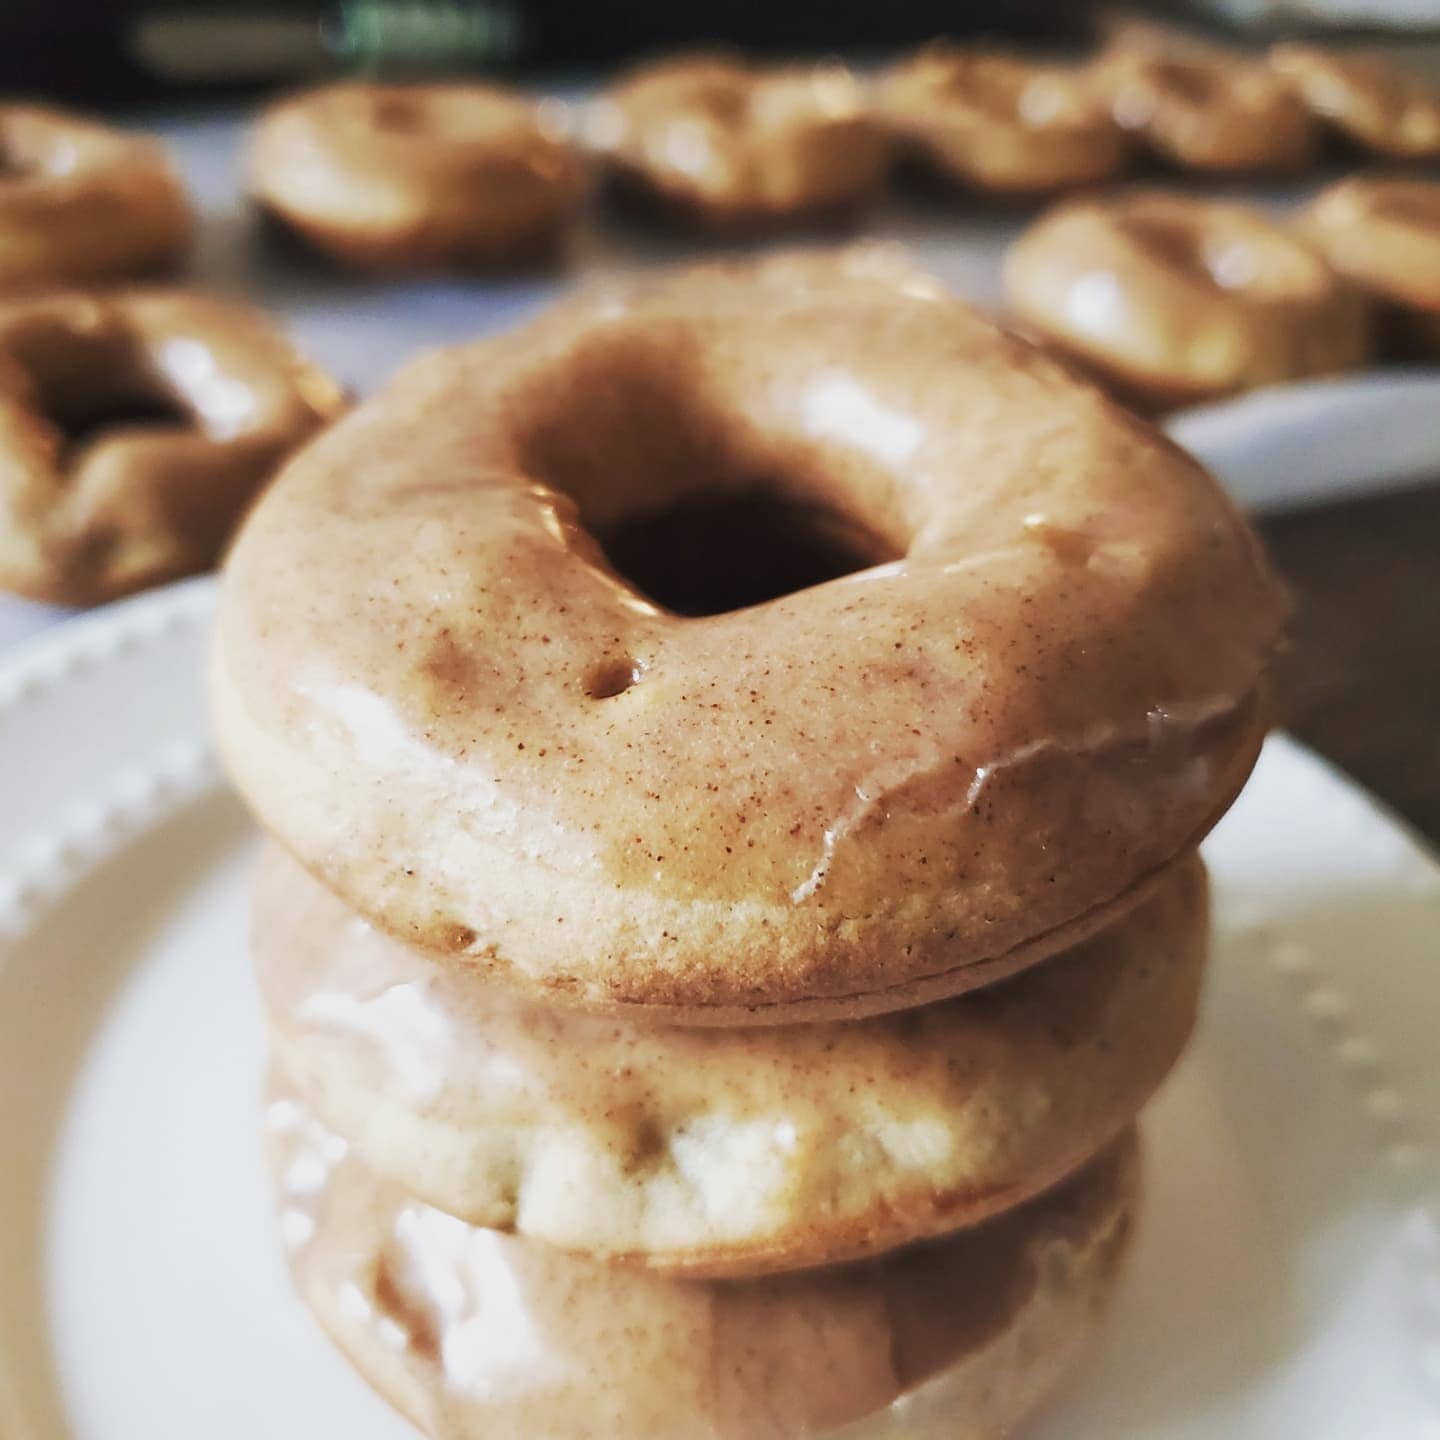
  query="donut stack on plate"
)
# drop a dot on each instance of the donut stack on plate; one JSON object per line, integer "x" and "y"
{"x": 736, "y": 749}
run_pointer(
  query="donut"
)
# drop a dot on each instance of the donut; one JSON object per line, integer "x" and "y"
{"x": 135, "y": 427}
{"x": 1206, "y": 110}
{"x": 721, "y": 1151}
{"x": 1383, "y": 235}
{"x": 1364, "y": 98}
{"x": 998, "y": 123}
{"x": 418, "y": 177}
{"x": 81, "y": 202}
{"x": 770, "y": 642}
{"x": 473, "y": 1334}
{"x": 713, "y": 142}
{"x": 1173, "y": 299}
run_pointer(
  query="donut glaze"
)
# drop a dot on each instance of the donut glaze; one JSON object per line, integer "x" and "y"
{"x": 80, "y": 201}
{"x": 134, "y": 429}
{"x": 721, "y": 1151}
{"x": 418, "y": 176}
{"x": 1384, "y": 236}
{"x": 1041, "y": 689}
{"x": 1172, "y": 299}
{"x": 1366, "y": 99}
{"x": 477, "y": 1335}
{"x": 1207, "y": 110}
{"x": 723, "y": 144}
{"x": 1000, "y": 123}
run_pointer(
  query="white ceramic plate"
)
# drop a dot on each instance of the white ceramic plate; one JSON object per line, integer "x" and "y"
{"x": 1287, "y": 1280}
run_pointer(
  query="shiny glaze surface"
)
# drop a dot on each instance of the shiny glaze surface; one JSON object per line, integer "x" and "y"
{"x": 1000, "y": 122}
{"x": 725, "y": 142}
{"x": 1206, "y": 109}
{"x": 1384, "y": 234}
{"x": 180, "y": 405}
{"x": 1374, "y": 103}
{"x": 80, "y": 202}
{"x": 721, "y": 1151}
{"x": 418, "y": 175}
{"x": 472, "y": 1333}
{"x": 846, "y": 799}
{"x": 1181, "y": 298}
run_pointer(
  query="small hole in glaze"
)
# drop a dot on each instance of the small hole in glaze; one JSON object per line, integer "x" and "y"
{"x": 614, "y": 677}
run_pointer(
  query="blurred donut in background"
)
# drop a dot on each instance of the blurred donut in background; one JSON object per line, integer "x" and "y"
{"x": 419, "y": 177}
{"x": 80, "y": 201}
{"x": 1001, "y": 123}
{"x": 1172, "y": 299}
{"x": 715, "y": 143}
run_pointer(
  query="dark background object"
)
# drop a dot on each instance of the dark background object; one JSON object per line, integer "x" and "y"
{"x": 98, "y": 50}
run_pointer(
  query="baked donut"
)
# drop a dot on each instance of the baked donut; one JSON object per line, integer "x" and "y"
{"x": 418, "y": 176}
{"x": 1203, "y": 109}
{"x": 474, "y": 1334}
{"x": 81, "y": 202}
{"x": 1172, "y": 299}
{"x": 134, "y": 430}
{"x": 517, "y": 658}
{"x": 998, "y": 123}
{"x": 714, "y": 142}
{"x": 1367, "y": 100}
{"x": 1383, "y": 235}
{"x": 721, "y": 1152}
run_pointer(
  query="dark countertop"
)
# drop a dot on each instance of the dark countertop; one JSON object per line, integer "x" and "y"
{"x": 1361, "y": 683}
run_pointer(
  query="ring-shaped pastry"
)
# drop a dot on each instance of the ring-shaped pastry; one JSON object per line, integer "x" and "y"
{"x": 1172, "y": 299}
{"x": 972, "y": 656}
{"x": 418, "y": 177}
{"x": 81, "y": 202}
{"x": 135, "y": 428}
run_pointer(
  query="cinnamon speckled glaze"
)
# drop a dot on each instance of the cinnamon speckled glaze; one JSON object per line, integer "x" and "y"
{"x": 477, "y": 1335}
{"x": 1041, "y": 689}
{"x": 80, "y": 201}
{"x": 1173, "y": 299}
{"x": 418, "y": 176}
{"x": 721, "y": 1151}
{"x": 721, "y": 143}
{"x": 135, "y": 427}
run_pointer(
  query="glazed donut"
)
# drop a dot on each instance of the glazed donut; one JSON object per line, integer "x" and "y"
{"x": 1384, "y": 236}
{"x": 437, "y": 691}
{"x": 1206, "y": 110}
{"x": 473, "y": 1334}
{"x": 81, "y": 202}
{"x": 999, "y": 123}
{"x": 721, "y": 1152}
{"x": 1367, "y": 100}
{"x": 418, "y": 176}
{"x": 718, "y": 143}
{"x": 1172, "y": 299}
{"x": 134, "y": 430}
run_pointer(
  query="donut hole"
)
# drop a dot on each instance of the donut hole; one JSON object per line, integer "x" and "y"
{"x": 724, "y": 550}
{"x": 88, "y": 388}
{"x": 700, "y": 511}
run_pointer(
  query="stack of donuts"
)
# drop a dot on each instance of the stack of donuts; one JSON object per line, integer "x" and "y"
{"x": 733, "y": 751}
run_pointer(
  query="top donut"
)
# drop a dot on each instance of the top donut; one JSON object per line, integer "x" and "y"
{"x": 766, "y": 643}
